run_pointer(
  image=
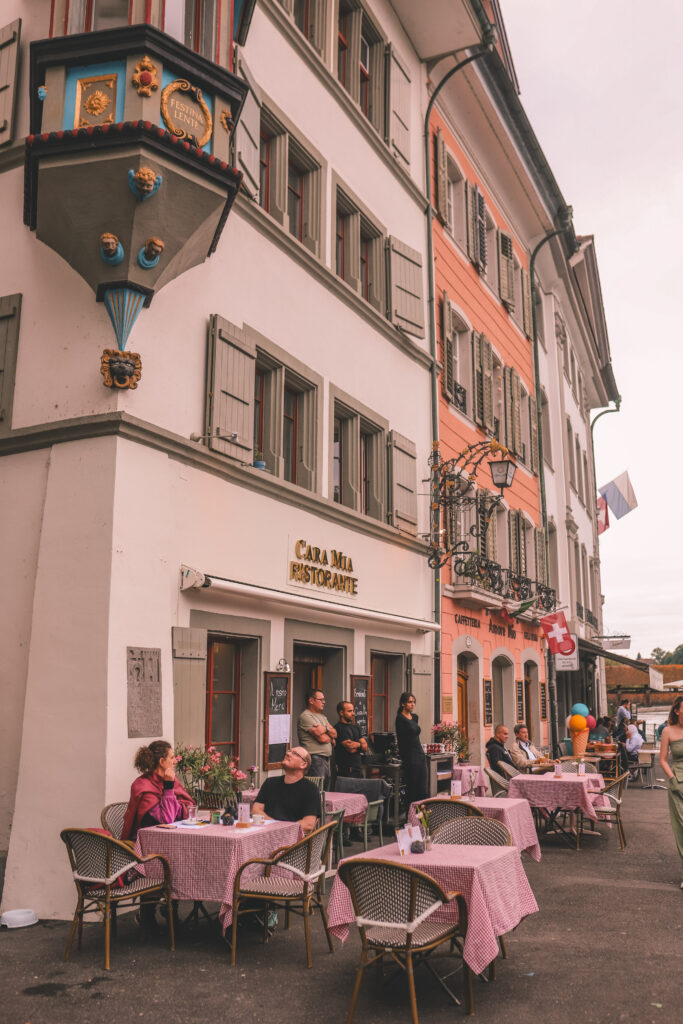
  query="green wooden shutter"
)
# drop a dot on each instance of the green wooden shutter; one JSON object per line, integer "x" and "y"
{"x": 533, "y": 434}
{"x": 10, "y": 37}
{"x": 397, "y": 115}
{"x": 189, "y": 686}
{"x": 403, "y": 482}
{"x": 10, "y": 316}
{"x": 539, "y": 545}
{"x": 518, "y": 442}
{"x": 506, "y": 270}
{"x": 482, "y": 255}
{"x": 513, "y": 540}
{"x": 527, "y": 309}
{"x": 404, "y": 287}
{"x": 447, "y": 375}
{"x": 248, "y": 135}
{"x": 507, "y": 402}
{"x": 230, "y": 397}
{"x": 471, "y": 221}
{"x": 487, "y": 382}
{"x": 477, "y": 380}
{"x": 441, "y": 177}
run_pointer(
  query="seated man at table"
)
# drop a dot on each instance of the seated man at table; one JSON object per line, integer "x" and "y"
{"x": 291, "y": 797}
{"x": 522, "y": 751}
{"x": 495, "y": 748}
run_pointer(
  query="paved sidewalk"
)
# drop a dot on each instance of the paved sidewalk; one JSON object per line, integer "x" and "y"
{"x": 606, "y": 946}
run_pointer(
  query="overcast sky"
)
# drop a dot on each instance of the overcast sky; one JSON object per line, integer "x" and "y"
{"x": 602, "y": 84}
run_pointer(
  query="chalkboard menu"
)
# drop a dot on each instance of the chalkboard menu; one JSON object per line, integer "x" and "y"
{"x": 488, "y": 702}
{"x": 277, "y": 728}
{"x": 519, "y": 692}
{"x": 360, "y": 686}
{"x": 544, "y": 701}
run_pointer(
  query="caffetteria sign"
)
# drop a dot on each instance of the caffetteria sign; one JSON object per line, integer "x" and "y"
{"x": 322, "y": 568}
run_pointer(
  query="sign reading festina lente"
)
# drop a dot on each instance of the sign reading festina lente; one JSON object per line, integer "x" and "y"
{"x": 323, "y": 568}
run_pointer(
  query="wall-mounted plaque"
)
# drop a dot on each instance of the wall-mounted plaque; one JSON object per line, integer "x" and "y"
{"x": 278, "y": 722}
{"x": 186, "y": 113}
{"x": 95, "y": 101}
{"x": 143, "y": 670}
{"x": 544, "y": 702}
{"x": 488, "y": 702}
{"x": 519, "y": 699}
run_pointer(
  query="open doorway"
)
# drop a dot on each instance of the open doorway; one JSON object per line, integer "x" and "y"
{"x": 502, "y": 671}
{"x": 317, "y": 666}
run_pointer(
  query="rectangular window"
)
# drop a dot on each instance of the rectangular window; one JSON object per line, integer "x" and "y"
{"x": 259, "y": 392}
{"x": 290, "y": 433}
{"x": 338, "y": 461}
{"x": 340, "y": 233}
{"x": 289, "y": 186}
{"x": 195, "y": 23}
{"x": 343, "y": 49}
{"x": 295, "y": 199}
{"x": 264, "y": 170}
{"x": 365, "y": 76}
{"x": 358, "y": 461}
{"x": 360, "y": 60}
{"x": 359, "y": 250}
{"x": 378, "y": 697}
{"x": 223, "y": 696}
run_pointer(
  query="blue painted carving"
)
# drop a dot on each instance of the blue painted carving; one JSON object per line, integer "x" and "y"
{"x": 141, "y": 196}
{"x": 144, "y": 262}
{"x": 42, "y": 92}
{"x": 123, "y": 306}
{"x": 115, "y": 258}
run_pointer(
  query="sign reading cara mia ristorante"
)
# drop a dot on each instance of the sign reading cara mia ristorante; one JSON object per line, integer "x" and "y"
{"x": 322, "y": 568}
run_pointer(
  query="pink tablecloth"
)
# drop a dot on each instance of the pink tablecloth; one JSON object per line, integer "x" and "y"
{"x": 204, "y": 861}
{"x": 515, "y": 815}
{"x": 569, "y": 792}
{"x": 491, "y": 878}
{"x": 355, "y": 806}
{"x": 465, "y": 772}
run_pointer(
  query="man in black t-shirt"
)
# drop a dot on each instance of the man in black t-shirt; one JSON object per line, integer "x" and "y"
{"x": 350, "y": 743}
{"x": 291, "y": 797}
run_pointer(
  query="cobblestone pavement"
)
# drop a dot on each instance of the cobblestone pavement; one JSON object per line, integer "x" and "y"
{"x": 606, "y": 946}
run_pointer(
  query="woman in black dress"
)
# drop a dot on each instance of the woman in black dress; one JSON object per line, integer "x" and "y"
{"x": 410, "y": 749}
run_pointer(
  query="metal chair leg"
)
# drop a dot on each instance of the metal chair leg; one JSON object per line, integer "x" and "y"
{"x": 77, "y": 918}
{"x": 307, "y": 932}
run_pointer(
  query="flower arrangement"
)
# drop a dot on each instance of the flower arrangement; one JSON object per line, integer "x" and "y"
{"x": 208, "y": 770}
{"x": 453, "y": 737}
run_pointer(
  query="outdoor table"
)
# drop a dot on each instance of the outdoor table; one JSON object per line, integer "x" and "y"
{"x": 491, "y": 878}
{"x": 466, "y": 772}
{"x": 204, "y": 860}
{"x": 355, "y": 806}
{"x": 515, "y": 815}
{"x": 552, "y": 794}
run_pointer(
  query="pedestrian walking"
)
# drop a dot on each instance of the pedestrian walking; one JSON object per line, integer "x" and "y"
{"x": 672, "y": 740}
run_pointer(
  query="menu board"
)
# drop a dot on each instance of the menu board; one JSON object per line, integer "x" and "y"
{"x": 488, "y": 702}
{"x": 360, "y": 686}
{"x": 277, "y": 725}
{"x": 519, "y": 692}
{"x": 544, "y": 701}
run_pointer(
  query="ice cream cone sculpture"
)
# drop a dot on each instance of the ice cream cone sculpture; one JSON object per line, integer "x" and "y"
{"x": 579, "y": 741}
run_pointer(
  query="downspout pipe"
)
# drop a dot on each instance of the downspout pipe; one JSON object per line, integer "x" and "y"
{"x": 486, "y": 46}
{"x": 566, "y": 228}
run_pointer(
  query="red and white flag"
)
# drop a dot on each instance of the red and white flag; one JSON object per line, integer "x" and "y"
{"x": 603, "y": 516}
{"x": 557, "y": 634}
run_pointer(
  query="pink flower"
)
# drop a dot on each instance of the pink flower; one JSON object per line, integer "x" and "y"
{"x": 240, "y": 776}
{"x": 204, "y": 768}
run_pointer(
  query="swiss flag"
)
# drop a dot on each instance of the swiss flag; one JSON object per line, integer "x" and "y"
{"x": 557, "y": 634}
{"x": 603, "y": 516}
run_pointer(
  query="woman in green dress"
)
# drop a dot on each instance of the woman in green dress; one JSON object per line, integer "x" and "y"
{"x": 672, "y": 741}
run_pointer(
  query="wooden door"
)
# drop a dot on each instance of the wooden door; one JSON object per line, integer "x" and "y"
{"x": 462, "y": 700}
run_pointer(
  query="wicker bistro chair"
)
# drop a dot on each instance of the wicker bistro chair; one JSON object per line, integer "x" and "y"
{"x": 473, "y": 831}
{"x": 306, "y": 861}
{"x": 611, "y": 814}
{"x": 572, "y": 768}
{"x": 499, "y": 785}
{"x": 112, "y": 818}
{"x": 393, "y": 904}
{"x": 508, "y": 770}
{"x": 441, "y": 811}
{"x": 102, "y": 872}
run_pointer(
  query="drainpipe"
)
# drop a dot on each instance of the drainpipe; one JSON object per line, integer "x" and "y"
{"x": 481, "y": 50}
{"x": 565, "y": 216}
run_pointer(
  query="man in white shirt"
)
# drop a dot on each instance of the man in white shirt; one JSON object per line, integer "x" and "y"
{"x": 522, "y": 751}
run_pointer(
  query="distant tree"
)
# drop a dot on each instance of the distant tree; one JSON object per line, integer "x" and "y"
{"x": 676, "y": 657}
{"x": 658, "y": 653}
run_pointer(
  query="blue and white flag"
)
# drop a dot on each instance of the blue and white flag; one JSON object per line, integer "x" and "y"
{"x": 618, "y": 494}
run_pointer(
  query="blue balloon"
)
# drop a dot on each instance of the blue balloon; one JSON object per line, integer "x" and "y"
{"x": 580, "y": 709}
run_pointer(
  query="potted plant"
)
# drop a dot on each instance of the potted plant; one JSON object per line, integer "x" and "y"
{"x": 445, "y": 732}
{"x": 462, "y": 744}
{"x": 259, "y": 461}
{"x": 207, "y": 771}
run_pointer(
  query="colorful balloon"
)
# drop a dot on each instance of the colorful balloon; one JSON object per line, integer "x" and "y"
{"x": 590, "y": 722}
{"x": 580, "y": 709}
{"x": 577, "y": 723}
{"x": 567, "y": 721}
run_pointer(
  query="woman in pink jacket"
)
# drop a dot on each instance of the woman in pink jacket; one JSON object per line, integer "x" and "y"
{"x": 156, "y": 797}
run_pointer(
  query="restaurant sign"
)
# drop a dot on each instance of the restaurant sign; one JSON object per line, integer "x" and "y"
{"x": 322, "y": 568}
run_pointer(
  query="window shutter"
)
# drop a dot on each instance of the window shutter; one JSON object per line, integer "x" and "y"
{"x": 403, "y": 482}
{"x": 229, "y": 407}
{"x": 518, "y": 443}
{"x": 539, "y": 539}
{"x": 279, "y": 155}
{"x": 10, "y": 310}
{"x": 306, "y": 445}
{"x": 311, "y": 212}
{"x": 247, "y": 136}
{"x": 506, "y": 270}
{"x": 189, "y": 685}
{"x": 447, "y": 375}
{"x": 404, "y": 275}
{"x": 352, "y": 250}
{"x": 487, "y": 382}
{"x": 521, "y": 527}
{"x": 316, "y": 26}
{"x": 441, "y": 177}
{"x": 481, "y": 231}
{"x": 507, "y": 402}
{"x": 533, "y": 434}
{"x": 513, "y": 536}
{"x": 527, "y": 308}
{"x": 492, "y": 537}
{"x": 9, "y": 68}
{"x": 397, "y": 115}
{"x": 477, "y": 380}
{"x": 471, "y": 219}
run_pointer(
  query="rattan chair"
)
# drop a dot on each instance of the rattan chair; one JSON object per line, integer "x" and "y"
{"x": 393, "y": 905}
{"x": 572, "y": 768}
{"x": 302, "y": 893}
{"x": 499, "y": 785}
{"x": 612, "y": 814}
{"x": 473, "y": 832}
{"x": 101, "y": 869}
{"x": 508, "y": 770}
{"x": 112, "y": 818}
{"x": 441, "y": 811}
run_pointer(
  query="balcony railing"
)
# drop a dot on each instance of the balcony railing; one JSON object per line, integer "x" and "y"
{"x": 460, "y": 397}
{"x": 579, "y": 611}
{"x": 476, "y": 571}
{"x": 591, "y": 619}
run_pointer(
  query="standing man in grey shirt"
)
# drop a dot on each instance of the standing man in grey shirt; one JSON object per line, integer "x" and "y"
{"x": 316, "y": 734}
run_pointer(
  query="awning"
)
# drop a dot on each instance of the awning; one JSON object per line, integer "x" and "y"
{"x": 589, "y": 648}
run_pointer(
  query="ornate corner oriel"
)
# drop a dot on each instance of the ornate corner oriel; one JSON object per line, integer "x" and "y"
{"x": 95, "y": 101}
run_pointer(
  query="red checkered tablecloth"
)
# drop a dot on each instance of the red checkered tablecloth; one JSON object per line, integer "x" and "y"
{"x": 546, "y": 791}
{"x": 355, "y": 806}
{"x": 204, "y": 861}
{"x": 515, "y": 815}
{"x": 491, "y": 878}
{"x": 465, "y": 772}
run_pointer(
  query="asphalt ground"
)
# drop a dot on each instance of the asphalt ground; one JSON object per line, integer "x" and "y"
{"x": 606, "y": 945}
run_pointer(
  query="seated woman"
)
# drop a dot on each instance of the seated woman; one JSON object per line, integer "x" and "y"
{"x": 634, "y": 742}
{"x": 156, "y": 797}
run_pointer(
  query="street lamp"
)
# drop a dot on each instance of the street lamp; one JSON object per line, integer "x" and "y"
{"x": 453, "y": 492}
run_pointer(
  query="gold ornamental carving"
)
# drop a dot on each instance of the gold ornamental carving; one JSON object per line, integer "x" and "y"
{"x": 120, "y": 369}
{"x": 146, "y": 77}
{"x": 186, "y": 113}
{"x": 226, "y": 119}
{"x": 95, "y": 101}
